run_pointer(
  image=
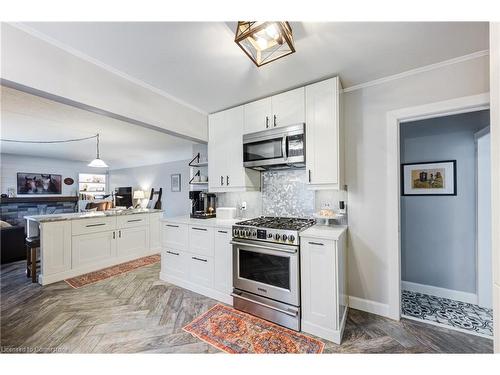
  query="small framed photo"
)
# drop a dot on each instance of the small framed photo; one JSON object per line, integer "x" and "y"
{"x": 429, "y": 178}
{"x": 175, "y": 182}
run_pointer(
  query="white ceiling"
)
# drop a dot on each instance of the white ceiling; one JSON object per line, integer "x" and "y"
{"x": 199, "y": 63}
{"x": 28, "y": 117}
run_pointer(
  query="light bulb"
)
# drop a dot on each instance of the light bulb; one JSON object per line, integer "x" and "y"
{"x": 262, "y": 43}
{"x": 272, "y": 32}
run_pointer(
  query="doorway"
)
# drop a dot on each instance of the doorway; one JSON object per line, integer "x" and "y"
{"x": 444, "y": 221}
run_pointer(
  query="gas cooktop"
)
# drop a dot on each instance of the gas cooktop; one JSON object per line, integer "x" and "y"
{"x": 282, "y": 230}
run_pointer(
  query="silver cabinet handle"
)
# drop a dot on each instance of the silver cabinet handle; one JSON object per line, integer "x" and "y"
{"x": 316, "y": 243}
{"x": 134, "y": 220}
{"x": 114, "y": 235}
{"x": 265, "y": 305}
{"x": 200, "y": 259}
{"x": 309, "y": 175}
{"x": 274, "y": 120}
{"x": 95, "y": 225}
{"x": 267, "y": 122}
{"x": 222, "y": 231}
{"x": 173, "y": 226}
{"x": 227, "y": 180}
{"x": 221, "y": 180}
{"x": 120, "y": 233}
{"x": 171, "y": 252}
{"x": 203, "y": 229}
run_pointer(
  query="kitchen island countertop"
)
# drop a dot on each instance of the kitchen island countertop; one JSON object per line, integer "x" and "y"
{"x": 88, "y": 215}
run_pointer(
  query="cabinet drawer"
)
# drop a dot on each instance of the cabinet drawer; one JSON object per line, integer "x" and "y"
{"x": 174, "y": 263}
{"x": 175, "y": 236}
{"x": 201, "y": 270}
{"x": 94, "y": 225}
{"x": 128, "y": 221}
{"x": 201, "y": 240}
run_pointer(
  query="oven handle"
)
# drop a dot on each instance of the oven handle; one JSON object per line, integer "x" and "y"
{"x": 291, "y": 251}
{"x": 283, "y": 147}
{"x": 263, "y": 304}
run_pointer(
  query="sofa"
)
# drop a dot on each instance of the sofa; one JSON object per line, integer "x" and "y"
{"x": 12, "y": 247}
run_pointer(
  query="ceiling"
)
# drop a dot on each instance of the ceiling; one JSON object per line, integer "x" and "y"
{"x": 29, "y": 117}
{"x": 199, "y": 63}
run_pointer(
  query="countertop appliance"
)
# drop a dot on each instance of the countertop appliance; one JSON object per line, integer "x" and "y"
{"x": 202, "y": 204}
{"x": 266, "y": 272}
{"x": 275, "y": 148}
{"x": 123, "y": 196}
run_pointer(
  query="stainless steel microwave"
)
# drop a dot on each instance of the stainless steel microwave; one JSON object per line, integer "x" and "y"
{"x": 275, "y": 148}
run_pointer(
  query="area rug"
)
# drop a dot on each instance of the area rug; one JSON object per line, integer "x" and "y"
{"x": 234, "y": 331}
{"x": 106, "y": 273}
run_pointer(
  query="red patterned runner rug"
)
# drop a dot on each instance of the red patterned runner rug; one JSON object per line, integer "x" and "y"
{"x": 234, "y": 331}
{"x": 106, "y": 273}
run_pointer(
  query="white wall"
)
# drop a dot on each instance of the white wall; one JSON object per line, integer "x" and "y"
{"x": 11, "y": 164}
{"x": 366, "y": 165}
{"x": 35, "y": 63}
{"x": 157, "y": 176}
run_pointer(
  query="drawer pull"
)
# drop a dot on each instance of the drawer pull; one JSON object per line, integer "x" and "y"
{"x": 95, "y": 225}
{"x": 173, "y": 226}
{"x": 222, "y": 231}
{"x": 134, "y": 220}
{"x": 201, "y": 260}
{"x": 203, "y": 229}
{"x": 316, "y": 243}
{"x": 171, "y": 252}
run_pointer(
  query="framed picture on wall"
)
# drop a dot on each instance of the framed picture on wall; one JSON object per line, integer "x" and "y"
{"x": 39, "y": 183}
{"x": 429, "y": 178}
{"x": 175, "y": 182}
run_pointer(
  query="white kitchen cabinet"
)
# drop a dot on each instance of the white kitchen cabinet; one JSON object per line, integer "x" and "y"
{"x": 288, "y": 108}
{"x": 323, "y": 289}
{"x": 201, "y": 240}
{"x": 174, "y": 263}
{"x": 258, "y": 115}
{"x": 324, "y": 135}
{"x": 175, "y": 236}
{"x": 93, "y": 248}
{"x": 129, "y": 221}
{"x": 56, "y": 241}
{"x": 223, "y": 261}
{"x": 154, "y": 232}
{"x": 132, "y": 241}
{"x": 284, "y": 109}
{"x": 201, "y": 270}
{"x": 225, "y": 154}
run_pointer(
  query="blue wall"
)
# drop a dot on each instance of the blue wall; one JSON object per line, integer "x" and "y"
{"x": 438, "y": 236}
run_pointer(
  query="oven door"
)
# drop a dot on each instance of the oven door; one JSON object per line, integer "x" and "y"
{"x": 270, "y": 271}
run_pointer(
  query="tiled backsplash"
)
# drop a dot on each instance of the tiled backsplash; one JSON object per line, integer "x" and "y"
{"x": 284, "y": 193}
{"x": 14, "y": 213}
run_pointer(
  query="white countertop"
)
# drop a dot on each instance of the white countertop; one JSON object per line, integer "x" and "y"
{"x": 214, "y": 222}
{"x": 327, "y": 232}
{"x": 88, "y": 215}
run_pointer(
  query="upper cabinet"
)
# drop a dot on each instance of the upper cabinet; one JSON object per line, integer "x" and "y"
{"x": 225, "y": 154}
{"x": 324, "y": 135}
{"x": 279, "y": 110}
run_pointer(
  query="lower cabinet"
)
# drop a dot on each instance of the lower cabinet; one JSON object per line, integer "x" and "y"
{"x": 201, "y": 270}
{"x": 323, "y": 294}
{"x": 154, "y": 232}
{"x": 132, "y": 241}
{"x": 93, "y": 248}
{"x": 56, "y": 242}
{"x": 223, "y": 261}
{"x": 174, "y": 263}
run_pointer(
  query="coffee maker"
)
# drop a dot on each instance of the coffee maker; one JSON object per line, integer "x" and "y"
{"x": 202, "y": 204}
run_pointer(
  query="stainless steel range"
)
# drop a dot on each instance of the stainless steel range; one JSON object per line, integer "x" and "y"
{"x": 266, "y": 269}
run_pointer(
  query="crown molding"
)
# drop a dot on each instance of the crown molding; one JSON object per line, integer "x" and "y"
{"x": 422, "y": 69}
{"x": 37, "y": 34}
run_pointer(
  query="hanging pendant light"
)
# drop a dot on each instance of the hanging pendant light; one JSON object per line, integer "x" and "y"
{"x": 98, "y": 162}
{"x": 266, "y": 41}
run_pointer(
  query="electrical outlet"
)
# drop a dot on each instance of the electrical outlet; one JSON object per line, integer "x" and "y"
{"x": 243, "y": 206}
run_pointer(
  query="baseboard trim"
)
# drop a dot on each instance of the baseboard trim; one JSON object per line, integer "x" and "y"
{"x": 456, "y": 295}
{"x": 369, "y": 306}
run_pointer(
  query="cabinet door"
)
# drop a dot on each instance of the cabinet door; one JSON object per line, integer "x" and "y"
{"x": 154, "y": 232}
{"x": 217, "y": 155}
{"x": 258, "y": 116}
{"x": 133, "y": 242}
{"x": 322, "y": 129}
{"x": 201, "y": 270}
{"x": 174, "y": 263}
{"x": 288, "y": 108}
{"x": 175, "y": 236}
{"x": 56, "y": 247}
{"x": 235, "y": 172}
{"x": 201, "y": 240}
{"x": 318, "y": 292}
{"x": 223, "y": 264}
{"x": 88, "y": 249}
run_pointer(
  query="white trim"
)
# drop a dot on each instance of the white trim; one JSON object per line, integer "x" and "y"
{"x": 455, "y": 295}
{"x": 109, "y": 68}
{"x": 422, "y": 69}
{"x": 394, "y": 118}
{"x": 370, "y": 306}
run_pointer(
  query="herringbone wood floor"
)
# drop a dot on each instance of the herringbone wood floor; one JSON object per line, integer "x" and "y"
{"x": 136, "y": 312}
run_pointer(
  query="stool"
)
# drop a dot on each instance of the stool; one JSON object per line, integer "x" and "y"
{"x": 32, "y": 243}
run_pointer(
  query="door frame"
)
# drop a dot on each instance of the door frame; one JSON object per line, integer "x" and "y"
{"x": 394, "y": 118}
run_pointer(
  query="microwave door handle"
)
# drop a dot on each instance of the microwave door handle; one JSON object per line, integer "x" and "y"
{"x": 284, "y": 148}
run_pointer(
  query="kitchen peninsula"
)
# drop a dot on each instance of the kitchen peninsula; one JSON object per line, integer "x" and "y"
{"x": 76, "y": 243}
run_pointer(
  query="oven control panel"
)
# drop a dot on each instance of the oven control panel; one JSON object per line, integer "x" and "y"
{"x": 268, "y": 235}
